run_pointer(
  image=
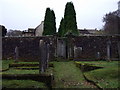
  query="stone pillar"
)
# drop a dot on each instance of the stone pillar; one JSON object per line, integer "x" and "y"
{"x": 108, "y": 50}
{"x": 0, "y": 42}
{"x": 70, "y": 46}
{"x": 55, "y": 44}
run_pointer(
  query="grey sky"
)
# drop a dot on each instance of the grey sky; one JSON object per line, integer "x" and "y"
{"x": 24, "y": 14}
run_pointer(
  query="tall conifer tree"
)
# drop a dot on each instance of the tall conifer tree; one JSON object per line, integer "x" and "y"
{"x": 49, "y": 22}
{"x": 70, "y": 24}
{"x": 61, "y": 28}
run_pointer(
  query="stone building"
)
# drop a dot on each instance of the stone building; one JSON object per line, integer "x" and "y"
{"x": 29, "y": 32}
{"x": 39, "y": 29}
{"x": 34, "y": 32}
{"x": 89, "y": 31}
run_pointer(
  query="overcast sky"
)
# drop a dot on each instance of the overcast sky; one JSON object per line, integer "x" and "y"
{"x": 24, "y": 14}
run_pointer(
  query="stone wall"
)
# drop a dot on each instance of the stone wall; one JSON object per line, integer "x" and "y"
{"x": 85, "y": 47}
{"x": 94, "y": 47}
{"x": 28, "y": 48}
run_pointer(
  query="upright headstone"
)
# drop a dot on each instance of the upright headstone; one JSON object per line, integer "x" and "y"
{"x": 44, "y": 56}
{"x": 48, "y": 54}
{"x": 41, "y": 63}
{"x": 16, "y": 53}
{"x": 98, "y": 55}
{"x": 0, "y": 42}
{"x": 61, "y": 48}
{"x": 108, "y": 50}
{"x": 77, "y": 52}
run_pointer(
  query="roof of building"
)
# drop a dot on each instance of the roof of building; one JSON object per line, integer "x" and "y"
{"x": 87, "y": 31}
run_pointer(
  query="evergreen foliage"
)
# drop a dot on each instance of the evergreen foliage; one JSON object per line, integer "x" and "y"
{"x": 61, "y": 28}
{"x": 49, "y": 22}
{"x": 70, "y": 24}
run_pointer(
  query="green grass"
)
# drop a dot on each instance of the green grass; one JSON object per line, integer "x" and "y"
{"x": 5, "y": 63}
{"x": 22, "y": 84}
{"x": 106, "y": 77}
{"x": 18, "y": 71}
{"x": 27, "y": 62}
{"x": 27, "y": 67}
{"x": 100, "y": 63}
{"x": 67, "y": 75}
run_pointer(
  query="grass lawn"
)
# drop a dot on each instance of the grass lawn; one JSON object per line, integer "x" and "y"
{"x": 27, "y": 62}
{"x": 18, "y": 71}
{"x": 67, "y": 75}
{"x": 22, "y": 84}
{"x": 106, "y": 77}
{"x": 5, "y": 63}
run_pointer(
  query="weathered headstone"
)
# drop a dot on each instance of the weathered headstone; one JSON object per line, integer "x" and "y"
{"x": 44, "y": 56}
{"x": 41, "y": 56}
{"x": 48, "y": 54}
{"x": 98, "y": 55}
{"x": 77, "y": 52}
{"x": 61, "y": 48}
{"x": 108, "y": 50}
{"x": 16, "y": 53}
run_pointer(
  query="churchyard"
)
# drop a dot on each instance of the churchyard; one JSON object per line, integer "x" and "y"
{"x": 60, "y": 74}
{"x": 55, "y": 62}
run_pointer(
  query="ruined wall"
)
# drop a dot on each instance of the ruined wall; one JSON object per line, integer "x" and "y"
{"x": 85, "y": 47}
{"x": 28, "y": 47}
{"x": 94, "y": 47}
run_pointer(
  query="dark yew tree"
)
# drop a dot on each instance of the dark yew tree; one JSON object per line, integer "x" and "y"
{"x": 53, "y": 20}
{"x": 112, "y": 23}
{"x": 49, "y": 22}
{"x": 70, "y": 23}
{"x": 61, "y": 28}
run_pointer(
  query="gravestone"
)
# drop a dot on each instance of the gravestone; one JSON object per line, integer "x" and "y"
{"x": 44, "y": 56}
{"x": 0, "y": 42}
{"x": 48, "y": 55}
{"x": 16, "y": 54}
{"x": 77, "y": 52}
{"x": 61, "y": 48}
{"x": 98, "y": 55}
{"x": 108, "y": 50}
